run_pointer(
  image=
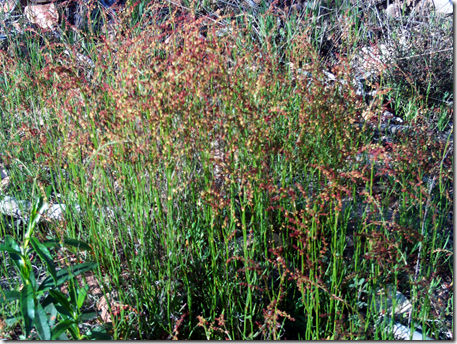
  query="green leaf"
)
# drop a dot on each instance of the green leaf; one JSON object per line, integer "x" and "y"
{"x": 10, "y": 322}
{"x": 52, "y": 243}
{"x": 8, "y": 249}
{"x": 27, "y": 307}
{"x": 44, "y": 254}
{"x": 64, "y": 275}
{"x": 78, "y": 244}
{"x": 51, "y": 312}
{"x": 63, "y": 301}
{"x": 32, "y": 278}
{"x": 35, "y": 215}
{"x": 9, "y": 241}
{"x": 99, "y": 333}
{"x": 41, "y": 323}
{"x": 72, "y": 290}
{"x": 9, "y": 295}
{"x": 48, "y": 191}
{"x": 74, "y": 330}
{"x": 64, "y": 313}
{"x": 63, "y": 336}
{"x": 16, "y": 257}
{"x": 61, "y": 328}
{"x": 48, "y": 300}
{"x": 88, "y": 315}
{"x": 68, "y": 241}
{"x": 82, "y": 296}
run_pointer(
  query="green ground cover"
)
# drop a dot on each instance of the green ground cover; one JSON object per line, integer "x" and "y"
{"x": 227, "y": 188}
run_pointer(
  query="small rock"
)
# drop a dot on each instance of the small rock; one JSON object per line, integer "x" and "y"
{"x": 386, "y": 116}
{"x": 54, "y": 212}
{"x": 372, "y": 60}
{"x": 393, "y": 11}
{"x": 238, "y": 245}
{"x": 329, "y": 75}
{"x": 81, "y": 58}
{"x": 443, "y": 6}
{"x": 7, "y": 6}
{"x": 5, "y": 183}
{"x": 108, "y": 212}
{"x": 45, "y": 16}
{"x": 384, "y": 302}
{"x": 401, "y": 332}
{"x": 251, "y": 3}
{"x": 11, "y": 207}
{"x": 5, "y": 180}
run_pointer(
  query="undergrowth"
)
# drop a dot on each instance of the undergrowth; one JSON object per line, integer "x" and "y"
{"x": 226, "y": 186}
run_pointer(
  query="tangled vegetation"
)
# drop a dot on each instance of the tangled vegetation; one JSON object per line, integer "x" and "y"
{"x": 227, "y": 187}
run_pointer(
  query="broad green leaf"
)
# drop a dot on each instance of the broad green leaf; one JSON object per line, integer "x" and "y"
{"x": 63, "y": 312}
{"x": 99, "y": 333}
{"x": 32, "y": 278}
{"x": 44, "y": 254}
{"x": 48, "y": 191}
{"x": 63, "y": 301}
{"x": 48, "y": 300}
{"x": 10, "y": 322}
{"x": 68, "y": 241}
{"x": 63, "y": 336}
{"x": 74, "y": 330}
{"x": 27, "y": 307}
{"x": 88, "y": 315}
{"x": 9, "y": 295}
{"x": 53, "y": 243}
{"x": 64, "y": 275}
{"x": 61, "y": 328}
{"x": 82, "y": 296}
{"x": 8, "y": 249}
{"x": 17, "y": 259}
{"x": 78, "y": 244}
{"x": 41, "y": 323}
{"x": 100, "y": 336}
{"x": 9, "y": 241}
{"x": 51, "y": 312}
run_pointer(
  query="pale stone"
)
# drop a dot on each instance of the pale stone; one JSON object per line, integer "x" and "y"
{"x": 12, "y": 207}
{"x": 45, "y": 16}
{"x": 393, "y": 11}
{"x": 54, "y": 212}
{"x": 384, "y": 302}
{"x": 443, "y": 6}
{"x": 7, "y": 6}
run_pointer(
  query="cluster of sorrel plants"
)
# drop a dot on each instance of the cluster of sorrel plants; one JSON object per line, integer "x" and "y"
{"x": 236, "y": 179}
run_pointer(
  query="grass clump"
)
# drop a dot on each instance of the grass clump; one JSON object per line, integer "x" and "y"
{"x": 227, "y": 186}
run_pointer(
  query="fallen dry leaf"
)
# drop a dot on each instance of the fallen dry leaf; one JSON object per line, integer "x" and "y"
{"x": 104, "y": 309}
{"x": 94, "y": 286}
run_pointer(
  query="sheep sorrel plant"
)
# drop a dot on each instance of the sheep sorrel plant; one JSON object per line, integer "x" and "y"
{"x": 233, "y": 182}
{"x": 43, "y": 306}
